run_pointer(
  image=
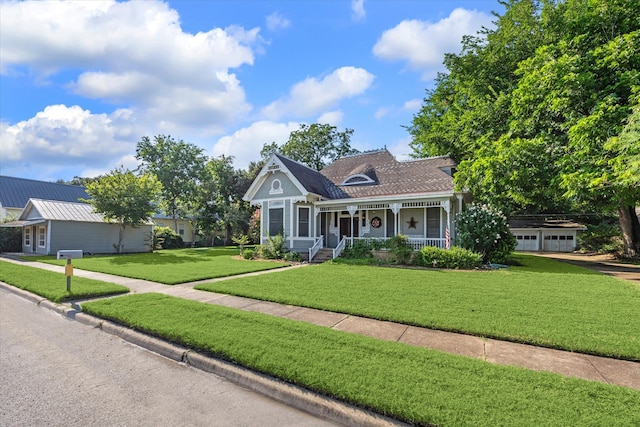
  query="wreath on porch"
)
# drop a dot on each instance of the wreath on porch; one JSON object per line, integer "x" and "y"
{"x": 376, "y": 222}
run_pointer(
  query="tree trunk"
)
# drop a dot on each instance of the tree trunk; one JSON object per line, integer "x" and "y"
{"x": 120, "y": 239}
{"x": 630, "y": 230}
{"x": 229, "y": 234}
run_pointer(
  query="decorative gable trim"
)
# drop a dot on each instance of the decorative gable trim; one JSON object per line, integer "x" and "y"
{"x": 272, "y": 165}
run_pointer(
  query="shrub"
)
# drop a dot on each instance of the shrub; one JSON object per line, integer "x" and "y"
{"x": 455, "y": 258}
{"x": 292, "y": 256}
{"x": 274, "y": 247}
{"x": 167, "y": 238}
{"x": 484, "y": 230}
{"x": 359, "y": 249}
{"x": 398, "y": 245}
{"x": 11, "y": 239}
{"x": 248, "y": 253}
{"x": 604, "y": 238}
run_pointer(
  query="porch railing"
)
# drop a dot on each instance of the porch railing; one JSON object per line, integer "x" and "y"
{"x": 338, "y": 249}
{"x": 316, "y": 247}
{"x": 414, "y": 242}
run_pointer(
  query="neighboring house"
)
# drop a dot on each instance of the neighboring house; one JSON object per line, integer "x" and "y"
{"x": 185, "y": 227}
{"x": 51, "y": 225}
{"x": 545, "y": 235}
{"x": 52, "y": 217}
{"x": 16, "y": 192}
{"x": 364, "y": 196}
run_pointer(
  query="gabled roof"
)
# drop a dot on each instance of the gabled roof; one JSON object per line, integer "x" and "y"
{"x": 16, "y": 192}
{"x": 53, "y": 210}
{"x": 391, "y": 177}
{"x": 312, "y": 180}
{"x": 365, "y": 175}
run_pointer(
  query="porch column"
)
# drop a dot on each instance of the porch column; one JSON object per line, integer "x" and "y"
{"x": 352, "y": 211}
{"x": 395, "y": 208}
{"x": 446, "y": 205}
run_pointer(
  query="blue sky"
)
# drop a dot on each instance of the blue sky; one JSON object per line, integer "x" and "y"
{"x": 82, "y": 81}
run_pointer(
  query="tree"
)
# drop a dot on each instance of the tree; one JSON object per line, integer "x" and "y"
{"x": 530, "y": 111}
{"x": 125, "y": 198}
{"x": 222, "y": 208}
{"x": 315, "y": 145}
{"x": 179, "y": 166}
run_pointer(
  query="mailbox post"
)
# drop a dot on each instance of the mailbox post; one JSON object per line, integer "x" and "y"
{"x": 68, "y": 270}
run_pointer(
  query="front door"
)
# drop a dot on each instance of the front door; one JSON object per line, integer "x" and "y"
{"x": 345, "y": 226}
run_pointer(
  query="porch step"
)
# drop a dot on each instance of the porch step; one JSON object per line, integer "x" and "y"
{"x": 324, "y": 254}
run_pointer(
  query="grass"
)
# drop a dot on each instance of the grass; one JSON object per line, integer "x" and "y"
{"x": 53, "y": 286}
{"x": 171, "y": 266}
{"x": 543, "y": 302}
{"x": 416, "y": 385}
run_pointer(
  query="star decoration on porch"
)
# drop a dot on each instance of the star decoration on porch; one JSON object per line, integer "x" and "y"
{"x": 412, "y": 223}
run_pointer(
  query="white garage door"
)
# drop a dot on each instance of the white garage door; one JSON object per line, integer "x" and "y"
{"x": 559, "y": 243}
{"x": 527, "y": 242}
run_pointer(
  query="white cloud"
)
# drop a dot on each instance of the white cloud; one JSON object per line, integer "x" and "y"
{"x": 423, "y": 44}
{"x": 412, "y": 105}
{"x": 69, "y": 136}
{"x": 245, "y": 144}
{"x": 276, "y": 22}
{"x": 357, "y": 10}
{"x": 312, "y": 96}
{"x": 333, "y": 118}
{"x": 138, "y": 54}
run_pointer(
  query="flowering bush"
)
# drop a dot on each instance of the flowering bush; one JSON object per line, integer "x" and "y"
{"x": 485, "y": 230}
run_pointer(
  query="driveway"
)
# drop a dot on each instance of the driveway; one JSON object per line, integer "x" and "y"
{"x": 606, "y": 264}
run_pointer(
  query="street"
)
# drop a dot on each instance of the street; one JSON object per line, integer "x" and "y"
{"x": 58, "y": 372}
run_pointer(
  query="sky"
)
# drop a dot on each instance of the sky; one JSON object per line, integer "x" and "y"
{"x": 81, "y": 82}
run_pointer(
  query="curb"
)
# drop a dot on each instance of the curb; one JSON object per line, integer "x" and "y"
{"x": 288, "y": 394}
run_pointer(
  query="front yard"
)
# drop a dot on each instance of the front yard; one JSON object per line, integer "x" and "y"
{"x": 53, "y": 286}
{"x": 417, "y": 385}
{"x": 544, "y": 302}
{"x": 171, "y": 266}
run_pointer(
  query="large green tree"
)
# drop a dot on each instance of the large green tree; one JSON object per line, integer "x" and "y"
{"x": 179, "y": 166}
{"x": 533, "y": 109}
{"x": 125, "y": 198}
{"x": 223, "y": 212}
{"x": 314, "y": 145}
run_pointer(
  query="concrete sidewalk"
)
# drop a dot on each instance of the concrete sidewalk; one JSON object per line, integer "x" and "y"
{"x": 595, "y": 368}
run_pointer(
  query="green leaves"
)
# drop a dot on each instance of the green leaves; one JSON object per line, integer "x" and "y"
{"x": 315, "y": 145}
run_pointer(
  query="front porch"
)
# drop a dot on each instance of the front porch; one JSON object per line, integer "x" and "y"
{"x": 424, "y": 222}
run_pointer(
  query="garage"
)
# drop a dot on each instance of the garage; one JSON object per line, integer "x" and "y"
{"x": 527, "y": 242}
{"x": 542, "y": 234}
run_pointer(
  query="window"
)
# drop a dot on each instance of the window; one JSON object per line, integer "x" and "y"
{"x": 27, "y": 236}
{"x": 276, "y": 225}
{"x": 181, "y": 230}
{"x": 303, "y": 222}
{"x": 357, "y": 179}
{"x": 42, "y": 236}
{"x": 433, "y": 222}
{"x": 276, "y": 187}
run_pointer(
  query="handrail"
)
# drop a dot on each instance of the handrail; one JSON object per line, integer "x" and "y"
{"x": 338, "y": 250}
{"x": 316, "y": 247}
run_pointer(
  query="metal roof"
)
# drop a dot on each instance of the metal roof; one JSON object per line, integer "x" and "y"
{"x": 53, "y": 210}
{"x": 16, "y": 192}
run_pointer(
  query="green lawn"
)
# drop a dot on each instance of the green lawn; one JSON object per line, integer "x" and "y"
{"x": 171, "y": 266}
{"x": 413, "y": 384}
{"x": 543, "y": 302}
{"x": 53, "y": 286}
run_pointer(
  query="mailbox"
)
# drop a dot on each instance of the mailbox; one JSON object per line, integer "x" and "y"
{"x": 70, "y": 254}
